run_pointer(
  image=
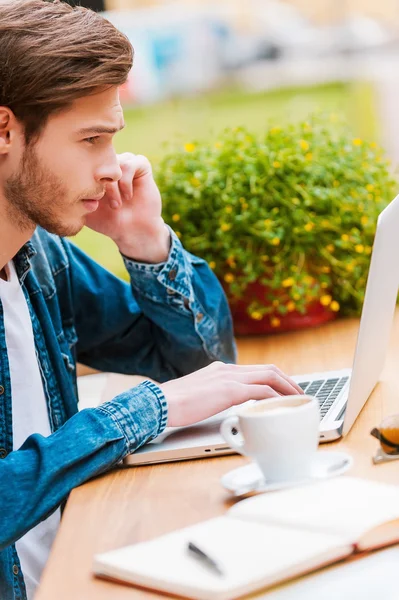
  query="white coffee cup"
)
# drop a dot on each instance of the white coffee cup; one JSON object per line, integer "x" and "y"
{"x": 280, "y": 434}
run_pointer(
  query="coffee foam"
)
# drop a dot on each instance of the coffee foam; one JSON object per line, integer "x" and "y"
{"x": 283, "y": 404}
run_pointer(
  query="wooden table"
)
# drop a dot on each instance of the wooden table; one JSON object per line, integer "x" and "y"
{"x": 135, "y": 504}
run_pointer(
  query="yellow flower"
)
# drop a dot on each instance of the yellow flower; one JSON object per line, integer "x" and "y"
{"x": 345, "y": 237}
{"x": 325, "y": 223}
{"x": 364, "y": 220}
{"x": 225, "y": 226}
{"x": 290, "y": 306}
{"x": 334, "y": 306}
{"x": 276, "y": 164}
{"x": 373, "y": 145}
{"x": 309, "y": 156}
{"x": 335, "y": 183}
{"x": 330, "y": 248}
{"x": 359, "y": 248}
{"x": 189, "y": 147}
{"x": 324, "y": 285}
{"x": 326, "y": 269}
{"x": 194, "y": 181}
{"x": 275, "y": 130}
{"x": 229, "y": 209}
{"x": 268, "y": 222}
{"x": 245, "y": 205}
{"x": 296, "y": 296}
{"x": 275, "y": 303}
{"x": 354, "y": 193}
{"x": 308, "y": 226}
{"x": 230, "y": 261}
{"x": 296, "y": 201}
{"x": 175, "y": 218}
{"x": 212, "y": 264}
{"x": 218, "y": 145}
{"x": 308, "y": 280}
{"x": 178, "y": 234}
{"x": 304, "y": 145}
{"x": 350, "y": 267}
{"x": 367, "y": 249}
{"x": 369, "y": 187}
{"x": 357, "y": 142}
{"x": 275, "y": 322}
{"x": 275, "y": 241}
{"x": 325, "y": 300}
{"x": 289, "y": 282}
{"x": 229, "y": 277}
{"x": 256, "y": 315}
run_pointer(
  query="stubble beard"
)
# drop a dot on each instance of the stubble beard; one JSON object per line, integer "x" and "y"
{"x": 36, "y": 197}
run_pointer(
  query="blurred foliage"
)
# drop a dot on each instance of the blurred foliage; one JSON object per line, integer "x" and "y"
{"x": 154, "y": 130}
{"x": 294, "y": 208}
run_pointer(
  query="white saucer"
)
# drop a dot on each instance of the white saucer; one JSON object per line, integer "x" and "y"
{"x": 249, "y": 479}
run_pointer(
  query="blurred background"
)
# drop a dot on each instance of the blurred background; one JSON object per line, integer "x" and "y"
{"x": 200, "y": 67}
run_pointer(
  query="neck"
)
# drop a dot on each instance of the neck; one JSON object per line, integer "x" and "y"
{"x": 12, "y": 238}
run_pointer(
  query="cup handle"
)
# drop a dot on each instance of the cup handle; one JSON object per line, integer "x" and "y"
{"x": 226, "y": 430}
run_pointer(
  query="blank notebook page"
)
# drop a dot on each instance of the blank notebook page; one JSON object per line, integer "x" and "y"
{"x": 346, "y": 506}
{"x": 246, "y": 552}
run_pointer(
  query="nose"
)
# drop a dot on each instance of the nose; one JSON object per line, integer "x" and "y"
{"x": 109, "y": 170}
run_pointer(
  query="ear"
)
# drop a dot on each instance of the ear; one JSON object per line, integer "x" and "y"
{"x": 7, "y": 124}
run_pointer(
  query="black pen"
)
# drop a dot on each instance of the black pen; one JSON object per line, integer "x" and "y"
{"x": 204, "y": 558}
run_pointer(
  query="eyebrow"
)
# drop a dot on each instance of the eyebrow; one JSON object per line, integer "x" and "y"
{"x": 99, "y": 129}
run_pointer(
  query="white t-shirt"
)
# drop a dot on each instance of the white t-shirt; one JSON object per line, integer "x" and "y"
{"x": 29, "y": 415}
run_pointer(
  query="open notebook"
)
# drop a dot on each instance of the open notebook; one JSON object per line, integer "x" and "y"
{"x": 263, "y": 540}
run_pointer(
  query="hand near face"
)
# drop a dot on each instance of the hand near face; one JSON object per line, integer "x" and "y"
{"x": 130, "y": 212}
{"x": 219, "y": 386}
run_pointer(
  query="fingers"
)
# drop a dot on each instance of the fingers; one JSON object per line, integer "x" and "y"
{"x": 294, "y": 387}
{"x": 128, "y": 167}
{"x": 268, "y": 377}
{"x": 112, "y": 195}
{"x": 254, "y": 392}
{"x": 133, "y": 167}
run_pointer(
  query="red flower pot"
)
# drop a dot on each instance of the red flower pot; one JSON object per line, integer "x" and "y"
{"x": 316, "y": 314}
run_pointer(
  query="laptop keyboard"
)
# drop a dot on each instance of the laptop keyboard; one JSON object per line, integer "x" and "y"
{"x": 325, "y": 390}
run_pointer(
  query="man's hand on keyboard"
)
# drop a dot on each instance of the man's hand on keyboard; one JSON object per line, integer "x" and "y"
{"x": 219, "y": 386}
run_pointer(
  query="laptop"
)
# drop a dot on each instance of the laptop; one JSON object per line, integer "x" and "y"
{"x": 341, "y": 394}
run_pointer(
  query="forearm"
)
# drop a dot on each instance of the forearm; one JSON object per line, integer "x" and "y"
{"x": 186, "y": 303}
{"x": 38, "y": 477}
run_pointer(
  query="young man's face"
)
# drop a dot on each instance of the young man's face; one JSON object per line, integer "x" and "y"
{"x": 71, "y": 163}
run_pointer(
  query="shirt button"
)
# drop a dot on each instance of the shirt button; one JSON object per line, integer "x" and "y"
{"x": 199, "y": 317}
{"x": 3, "y": 452}
{"x": 15, "y": 569}
{"x": 172, "y": 274}
{"x": 1, "y": 390}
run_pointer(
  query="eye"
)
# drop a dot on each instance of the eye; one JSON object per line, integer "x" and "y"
{"x": 92, "y": 140}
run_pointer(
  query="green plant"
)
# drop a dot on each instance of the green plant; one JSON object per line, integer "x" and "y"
{"x": 294, "y": 208}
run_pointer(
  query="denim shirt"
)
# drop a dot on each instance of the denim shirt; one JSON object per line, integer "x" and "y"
{"x": 171, "y": 320}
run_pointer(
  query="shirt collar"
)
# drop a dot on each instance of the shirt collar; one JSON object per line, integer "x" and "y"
{"x": 22, "y": 260}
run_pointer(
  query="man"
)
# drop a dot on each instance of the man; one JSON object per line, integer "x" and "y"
{"x": 60, "y": 69}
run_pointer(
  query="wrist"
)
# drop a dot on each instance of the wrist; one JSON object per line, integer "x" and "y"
{"x": 152, "y": 246}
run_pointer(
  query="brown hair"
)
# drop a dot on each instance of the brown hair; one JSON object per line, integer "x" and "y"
{"x": 52, "y": 54}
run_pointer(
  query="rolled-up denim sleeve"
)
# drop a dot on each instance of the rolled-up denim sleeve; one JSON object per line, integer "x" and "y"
{"x": 186, "y": 301}
{"x": 44, "y": 470}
